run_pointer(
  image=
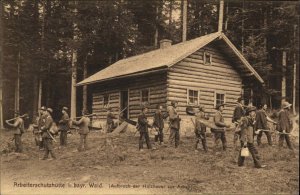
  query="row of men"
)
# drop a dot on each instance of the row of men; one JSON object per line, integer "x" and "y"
{"x": 249, "y": 122}
{"x": 258, "y": 121}
{"x": 43, "y": 130}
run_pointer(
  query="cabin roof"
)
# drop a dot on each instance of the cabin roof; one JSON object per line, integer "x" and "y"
{"x": 161, "y": 59}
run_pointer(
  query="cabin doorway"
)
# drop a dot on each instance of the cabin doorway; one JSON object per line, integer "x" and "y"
{"x": 124, "y": 103}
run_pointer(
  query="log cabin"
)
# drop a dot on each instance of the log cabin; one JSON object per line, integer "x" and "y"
{"x": 203, "y": 71}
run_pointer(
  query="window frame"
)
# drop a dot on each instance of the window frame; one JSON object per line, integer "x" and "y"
{"x": 141, "y": 95}
{"x": 108, "y": 102}
{"x": 219, "y": 92}
{"x": 188, "y": 96}
{"x": 205, "y": 62}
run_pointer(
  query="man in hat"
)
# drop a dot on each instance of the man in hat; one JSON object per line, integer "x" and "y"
{"x": 18, "y": 126}
{"x": 284, "y": 125}
{"x": 83, "y": 124}
{"x": 247, "y": 137}
{"x": 143, "y": 128}
{"x": 110, "y": 120}
{"x": 262, "y": 120}
{"x": 47, "y": 135}
{"x": 64, "y": 126}
{"x": 158, "y": 123}
{"x": 200, "y": 128}
{"x": 219, "y": 121}
{"x": 174, "y": 121}
{"x": 238, "y": 113}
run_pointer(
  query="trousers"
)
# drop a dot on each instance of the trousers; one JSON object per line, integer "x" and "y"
{"x": 254, "y": 154}
{"x": 160, "y": 136}
{"x": 220, "y": 136}
{"x": 48, "y": 148}
{"x": 83, "y": 142}
{"x": 18, "y": 143}
{"x": 268, "y": 134}
{"x": 201, "y": 136}
{"x": 144, "y": 136}
{"x": 285, "y": 137}
{"x": 63, "y": 138}
{"x": 174, "y": 136}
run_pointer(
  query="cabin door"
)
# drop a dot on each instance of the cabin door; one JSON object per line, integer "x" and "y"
{"x": 124, "y": 103}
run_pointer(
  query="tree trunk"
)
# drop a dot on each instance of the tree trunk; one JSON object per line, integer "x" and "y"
{"x": 1, "y": 68}
{"x": 294, "y": 72}
{"x": 283, "y": 81}
{"x": 17, "y": 87}
{"x": 84, "y": 90}
{"x": 156, "y": 29}
{"x": 184, "y": 20}
{"x": 74, "y": 70}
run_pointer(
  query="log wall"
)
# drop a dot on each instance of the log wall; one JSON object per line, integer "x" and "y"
{"x": 207, "y": 79}
{"x": 156, "y": 83}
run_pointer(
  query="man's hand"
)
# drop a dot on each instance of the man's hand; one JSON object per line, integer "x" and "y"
{"x": 257, "y": 132}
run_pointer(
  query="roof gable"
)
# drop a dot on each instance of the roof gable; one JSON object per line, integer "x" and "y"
{"x": 162, "y": 58}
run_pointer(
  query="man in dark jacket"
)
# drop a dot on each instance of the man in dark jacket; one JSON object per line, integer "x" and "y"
{"x": 47, "y": 135}
{"x": 238, "y": 113}
{"x": 143, "y": 128}
{"x": 18, "y": 126}
{"x": 174, "y": 120}
{"x": 219, "y": 121}
{"x": 262, "y": 120}
{"x": 247, "y": 137}
{"x": 200, "y": 129}
{"x": 158, "y": 124}
{"x": 285, "y": 125}
{"x": 64, "y": 126}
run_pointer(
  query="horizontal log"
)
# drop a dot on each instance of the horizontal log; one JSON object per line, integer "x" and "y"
{"x": 174, "y": 76}
{"x": 223, "y": 70}
{"x": 188, "y": 84}
{"x": 196, "y": 68}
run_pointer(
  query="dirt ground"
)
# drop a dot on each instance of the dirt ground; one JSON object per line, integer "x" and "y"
{"x": 116, "y": 165}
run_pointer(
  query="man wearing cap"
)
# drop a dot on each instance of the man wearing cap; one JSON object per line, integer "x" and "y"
{"x": 18, "y": 126}
{"x": 247, "y": 137}
{"x": 64, "y": 126}
{"x": 200, "y": 128}
{"x": 219, "y": 122}
{"x": 83, "y": 124}
{"x": 174, "y": 121}
{"x": 262, "y": 120}
{"x": 238, "y": 113}
{"x": 284, "y": 125}
{"x": 143, "y": 128}
{"x": 110, "y": 120}
{"x": 46, "y": 134}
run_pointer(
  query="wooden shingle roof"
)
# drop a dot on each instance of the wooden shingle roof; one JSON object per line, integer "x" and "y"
{"x": 164, "y": 58}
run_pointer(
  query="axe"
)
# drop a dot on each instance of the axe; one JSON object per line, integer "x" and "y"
{"x": 90, "y": 115}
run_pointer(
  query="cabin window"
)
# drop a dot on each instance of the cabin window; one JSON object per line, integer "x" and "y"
{"x": 207, "y": 58}
{"x": 193, "y": 97}
{"x": 105, "y": 100}
{"x": 145, "y": 96}
{"x": 219, "y": 98}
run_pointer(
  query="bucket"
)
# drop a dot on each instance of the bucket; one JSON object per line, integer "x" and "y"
{"x": 245, "y": 152}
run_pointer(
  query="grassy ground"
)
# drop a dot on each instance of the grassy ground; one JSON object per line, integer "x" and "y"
{"x": 116, "y": 160}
